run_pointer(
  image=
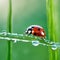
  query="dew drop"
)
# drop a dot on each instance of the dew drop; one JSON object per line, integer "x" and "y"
{"x": 1, "y": 38}
{"x": 54, "y": 47}
{"x": 14, "y": 34}
{"x": 25, "y": 40}
{"x": 15, "y": 41}
{"x": 47, "y": 41}
{"x": 4, "y": 33}
{"x": 7, "y": 38}
{"x": 21, "y": 35}
{"x": 35, "y": 43}
{"x": 52, "y": 43}
{"x": 44, "y": 44}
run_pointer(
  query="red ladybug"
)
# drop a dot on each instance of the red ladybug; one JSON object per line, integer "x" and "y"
{"x": 36, "y": 31}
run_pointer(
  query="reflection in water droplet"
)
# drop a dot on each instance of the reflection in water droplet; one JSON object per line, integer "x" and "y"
{"x": 54, "y": 47}
{"x": 35, "y": 43}
{"x": 4, "y": 33}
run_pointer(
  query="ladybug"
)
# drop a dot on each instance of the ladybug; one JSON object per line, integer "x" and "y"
{"x": 36, "y": 30}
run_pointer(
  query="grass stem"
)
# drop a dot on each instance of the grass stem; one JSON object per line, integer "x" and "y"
{"x": 9, "y": 29}
{"x": 53, "y": 55}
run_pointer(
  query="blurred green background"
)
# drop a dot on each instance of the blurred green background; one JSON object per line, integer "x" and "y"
{"x": 24, "y": 14}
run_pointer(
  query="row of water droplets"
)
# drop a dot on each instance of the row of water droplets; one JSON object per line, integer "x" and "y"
{"x": 21, "y": 37}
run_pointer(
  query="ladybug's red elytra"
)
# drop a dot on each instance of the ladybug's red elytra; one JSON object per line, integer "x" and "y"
{"x": 36, "y": 30}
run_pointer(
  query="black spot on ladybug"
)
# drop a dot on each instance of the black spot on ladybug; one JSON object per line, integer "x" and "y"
{"x": 43, "y": 31}
{"x": 38, "y": 29}
{"x": 34, "y": 33}
{"x": 32, "y": 27}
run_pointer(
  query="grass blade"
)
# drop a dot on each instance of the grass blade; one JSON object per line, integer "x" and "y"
{"x": 52, "y": 28}
{"x": 9, "y": 29}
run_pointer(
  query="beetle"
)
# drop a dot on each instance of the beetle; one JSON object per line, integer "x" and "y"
{"x": 36, "y": 30}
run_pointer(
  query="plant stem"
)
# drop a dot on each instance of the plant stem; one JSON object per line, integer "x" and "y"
{"x": 9, "y": 29}
{"x": 52, "y": 27}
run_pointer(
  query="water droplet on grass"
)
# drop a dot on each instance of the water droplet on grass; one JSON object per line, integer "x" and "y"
{"x": 25, "y": 40}
{"x": 54, "y": 47}
{"x": 15, "y": 41}
{"x": 4, "y": 33}
{"x": 7, "y": 38}
{"x": 35, "y": 43}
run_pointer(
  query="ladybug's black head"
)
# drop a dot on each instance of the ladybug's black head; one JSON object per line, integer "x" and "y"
{"x": 29, "y": 30}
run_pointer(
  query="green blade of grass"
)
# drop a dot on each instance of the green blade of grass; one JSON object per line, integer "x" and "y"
{"x": 52, "y": 27}
{"x": 9, "y": 29}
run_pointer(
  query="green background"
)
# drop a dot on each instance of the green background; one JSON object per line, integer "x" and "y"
{"x": 24, "y": 14}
